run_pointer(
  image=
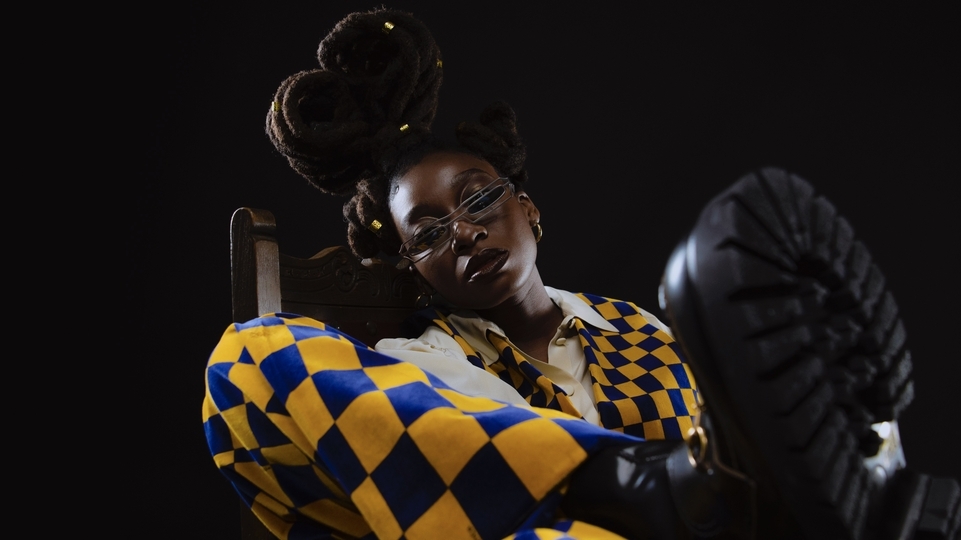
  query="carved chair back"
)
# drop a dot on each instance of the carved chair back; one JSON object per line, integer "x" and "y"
{"x": 366, "y": 302}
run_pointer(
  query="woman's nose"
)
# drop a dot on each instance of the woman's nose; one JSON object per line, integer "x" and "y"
{"x": 464, "y": 234}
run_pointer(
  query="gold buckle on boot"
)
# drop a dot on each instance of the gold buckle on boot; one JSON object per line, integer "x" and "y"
{"x": 710, "y": 496}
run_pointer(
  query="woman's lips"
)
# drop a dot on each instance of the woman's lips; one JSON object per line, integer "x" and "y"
{"x": 486, "y": 262}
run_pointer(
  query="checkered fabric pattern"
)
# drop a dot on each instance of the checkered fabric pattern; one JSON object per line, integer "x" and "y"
{"x": 642, "y": 384}
{"x": 511, "y": 367}
{"x": 326, "y": 438}
{"x": 567, "y": 530}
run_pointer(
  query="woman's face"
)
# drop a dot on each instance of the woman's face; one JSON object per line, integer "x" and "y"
{"x": 484, "y": 263}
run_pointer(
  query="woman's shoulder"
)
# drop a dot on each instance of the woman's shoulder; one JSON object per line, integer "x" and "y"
{"x": 613, "y": 309}
{"x": 432, "y": 339}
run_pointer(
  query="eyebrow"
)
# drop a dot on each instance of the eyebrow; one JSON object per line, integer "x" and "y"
{"x": 456, "y": 181}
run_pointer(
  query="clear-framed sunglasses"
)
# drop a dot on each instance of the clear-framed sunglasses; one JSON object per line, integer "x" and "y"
{"x": 436, "y": 235}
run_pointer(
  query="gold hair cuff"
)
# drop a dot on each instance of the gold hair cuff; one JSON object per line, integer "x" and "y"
{"x": 388, "y": 26}
{"x": 374, "y": 227}
{"x": 404, "y": 128}
{"x": 440, "y": 63}
{"x": 275, "y": 106}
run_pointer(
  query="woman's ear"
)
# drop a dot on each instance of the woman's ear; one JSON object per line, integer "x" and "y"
{"x": 533, "y": 214}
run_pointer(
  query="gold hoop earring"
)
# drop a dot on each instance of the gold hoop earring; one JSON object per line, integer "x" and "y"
{"x": 426, "y": 293}
{"x": 538, "y": 232}
{"x": 423, "y": 300}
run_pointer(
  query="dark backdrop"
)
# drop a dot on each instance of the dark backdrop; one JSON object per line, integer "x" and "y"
{"x": 635, "y": 117}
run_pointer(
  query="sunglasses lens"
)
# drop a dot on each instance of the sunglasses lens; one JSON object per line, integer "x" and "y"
{"x": 429, "y": 238}
{"x": 486, "y": 200}
{"x": 434, "y": 236}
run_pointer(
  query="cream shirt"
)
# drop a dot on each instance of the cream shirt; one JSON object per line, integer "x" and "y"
{"x": 437, "y": 353}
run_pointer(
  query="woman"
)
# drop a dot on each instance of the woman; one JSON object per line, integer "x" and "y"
{"x": 512, "y": 409}
{"x": 480, "y": 418}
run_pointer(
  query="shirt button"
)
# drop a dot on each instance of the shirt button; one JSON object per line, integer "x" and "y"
{"x": 560, "y": 341}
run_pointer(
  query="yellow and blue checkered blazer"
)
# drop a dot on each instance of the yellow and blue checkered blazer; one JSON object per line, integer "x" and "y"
{"x": 324, "y": 437}
{"x": 642, "y": 384}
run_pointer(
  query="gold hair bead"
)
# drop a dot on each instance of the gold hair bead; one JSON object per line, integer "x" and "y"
{"x": 374, "y": 227}
{"x": 440, "y": 63}
{"x": 388, "y": 26}
{"x": 275, "y": 106}
{"x": 404, "y": 128}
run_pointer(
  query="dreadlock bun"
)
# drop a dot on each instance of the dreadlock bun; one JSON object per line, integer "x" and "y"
{"x": 364, "y": 118}
{"x": 370, "y": 203}
{"x": 378, "y": 85}
{"x": 393, "y": 58}
{"x": 319, "y": 127}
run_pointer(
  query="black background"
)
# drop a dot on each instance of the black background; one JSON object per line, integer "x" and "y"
{"x": 634, "y": 118}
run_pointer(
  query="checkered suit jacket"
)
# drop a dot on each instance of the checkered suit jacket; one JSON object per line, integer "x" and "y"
{"x": 325, "y": 438}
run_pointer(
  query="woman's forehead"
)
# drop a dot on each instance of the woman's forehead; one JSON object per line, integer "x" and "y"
{"x": 437, "y": 180}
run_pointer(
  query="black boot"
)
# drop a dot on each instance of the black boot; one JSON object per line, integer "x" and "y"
{"x": 800, "y": 357}
{"x": 661, "y": 490}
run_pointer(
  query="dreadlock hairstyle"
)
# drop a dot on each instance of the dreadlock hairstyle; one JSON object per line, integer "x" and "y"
{"x": 364, "y": 118}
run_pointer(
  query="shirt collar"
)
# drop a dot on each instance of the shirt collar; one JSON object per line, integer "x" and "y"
{"x": 570, "y": 304}
{"x": 474, "y": 328}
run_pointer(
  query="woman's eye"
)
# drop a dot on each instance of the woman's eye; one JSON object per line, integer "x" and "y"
{"x": 484, "y": 199}
{"x": 429, "y": 235}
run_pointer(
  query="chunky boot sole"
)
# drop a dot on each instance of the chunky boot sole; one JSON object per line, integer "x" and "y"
{"x": 799, "y": 354}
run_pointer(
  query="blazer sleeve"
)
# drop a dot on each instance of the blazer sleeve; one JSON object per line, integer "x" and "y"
{"x": 323, "y": 436}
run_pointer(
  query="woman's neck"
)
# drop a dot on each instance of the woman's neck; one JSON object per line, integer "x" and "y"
{"x": 530, "y": 319}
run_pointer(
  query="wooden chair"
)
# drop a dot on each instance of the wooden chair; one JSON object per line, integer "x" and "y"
{"x": 367, "y": 302}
